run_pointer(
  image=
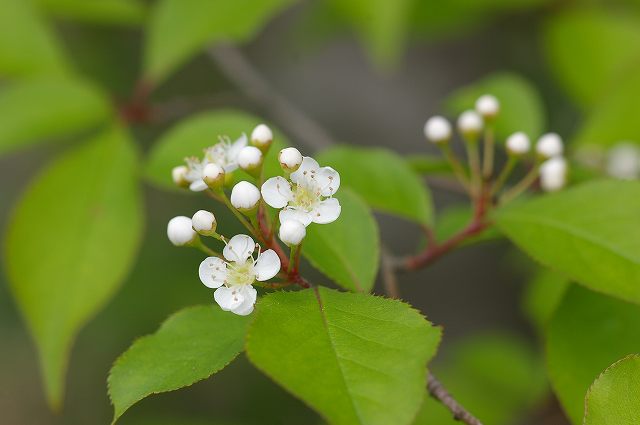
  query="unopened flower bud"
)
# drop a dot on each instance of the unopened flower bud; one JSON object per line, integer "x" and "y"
{"x": 213, "y": 175}
{"x": 290, "y": 159}
{"x": 261, "y": 137}
{"x": 549, "y": 146}
{"x": 250, "y": 159}
{"x": 553, "y": 174}
{"x": 470, "y": 125}
{"x": 518, "y": 144}
{"x": 180, "y": 231}
{"x": 245, "y": 196}
{"x": 292, "y": 232}
{"x": 623, "y": 161}
{"x": 488, "y": 106}
{"x": 204, "y": 222}
{"x": 437, "y": 130}
{"x": 179, "y": 175}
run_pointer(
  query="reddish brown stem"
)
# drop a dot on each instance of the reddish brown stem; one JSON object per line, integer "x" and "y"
{"x": 137, "y": 108}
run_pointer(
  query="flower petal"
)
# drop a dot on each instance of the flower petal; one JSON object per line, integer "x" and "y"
{"x": 276, "y": 192}
{"x": 267, "y": 266}
{"x": 303, "y": 217}
{"x": 229, "y": 298}
{"x": 198, "y": 185}
{"x": 213, "y": 272}
{"x": 308, "y": 164}
{"x": 328, "y": 180}
{"x": 236, "y": 147}
{"x": 239, "y": 248}
{"x": 250, "y": 294}
{"x": 326, "y": 211}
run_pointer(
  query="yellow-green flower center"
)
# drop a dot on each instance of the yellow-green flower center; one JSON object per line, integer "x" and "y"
{"x": 240, "y": 274}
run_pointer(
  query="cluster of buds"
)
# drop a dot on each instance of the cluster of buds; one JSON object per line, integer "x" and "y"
{"x": 303, "y": 195}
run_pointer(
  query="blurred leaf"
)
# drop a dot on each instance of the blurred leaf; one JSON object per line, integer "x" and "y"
{"x": 428, "y": 164}
{"x": 543, "y": 295}
{"x": 482, "y": 369}
{"x": 590, "y": 50}
{"x": 369, "y": 354}
{"x": 122, "y": 12}
{"x": 42, "y": 109}
{"x": 178, "y": 29}
{"x": 587, "y": 333}
{"x": 71, "y": 242}
{"x": 590, "y": 233}
{"x": 348, "y": 249}
{"x": 190, "y": 346}
{"x": 454, "y": 219}
{"x": 27, "y": 45}
{"x": 521, "y": 108}
{"x": 614, "y": 398}
{"x": 383, "y": 179}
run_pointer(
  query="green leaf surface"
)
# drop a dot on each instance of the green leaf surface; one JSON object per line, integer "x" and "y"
{"x": 587, "y": 333}
{"x": 27, "y": 44}
{"x": 347, "y": 250}
{"x": 44, "y": 109}
{"x": 190, "y": 346}
{"x": 589, "y": 50}
{"x": 355, "y": 358}
{"x": 121, "y": 12}
{"x": 383, "y": 179}
{"x": 614, "y": 398}
{"x": 178, "y": 29}
{"x": 589, "y": 233}
{"x": 71, "y": 241}
{"x": 543, "y": 295}
{"x": 521, "y": 108}
{"x": 429, "y": 164}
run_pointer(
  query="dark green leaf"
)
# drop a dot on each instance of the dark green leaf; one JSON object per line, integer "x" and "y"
{"x": 543, "y": 295}
{"x": 122, "y": 12}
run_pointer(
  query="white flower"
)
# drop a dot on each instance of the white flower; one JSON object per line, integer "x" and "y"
{"x": 180, "y": 231}
{"x": 549, "y": 145}
{"x": 261, "y": 136}
{"x": 233, "y": 278}
{"x": 290, "y": 159}
{"x": 249, "y": 158}
{"x": 204, "y": 222}
{"x": 245, "y": 196}
{"x": 179, "y": 175}
{"x": 292, "y": 232}
{"x": 488, "y": 106}
{"x": 518, "y": 143}
{"x": 437, "y": 129}
{"x": 553, "y": 174}
{"x": 223, "y": 154}
{"x": 623, "y": 161}
{"x": 470, "y": 124}
{"x": 308, "y": 197}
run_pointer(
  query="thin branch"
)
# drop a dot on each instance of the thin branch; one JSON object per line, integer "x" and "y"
{"x": 389, "y": 277}
{"x": 235, "y": 66}
{"x": 440, "y": 393}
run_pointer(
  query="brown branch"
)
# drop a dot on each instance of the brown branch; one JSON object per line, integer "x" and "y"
{"x": 440, "y": 393}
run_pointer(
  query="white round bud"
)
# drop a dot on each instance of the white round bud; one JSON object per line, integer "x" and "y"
{"x": 213, "y": 175}
{"x": 290, "y": 159}
{"x": 623, "y": 161}
{"x": 470, "y": 124}
{"x": 261, "y": 136}
{"x": 549, "y": 146}
{"x": 204, "y": 222}
{"x": 437, "y": 130}
{"x": 179, "y": 175}
{"x": 180, "y": 232}
{"x": 292, "y": 232}
{"x": 245, "y": 196}
{"x": 249, "y": 158}
{"x": 488, "y": 106}
{"x": 518, "y": 144}
{"x": 553, "y": 174}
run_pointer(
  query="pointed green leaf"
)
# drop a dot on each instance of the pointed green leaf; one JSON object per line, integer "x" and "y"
{"x": 70, "y": 243}
{"x": 383, "y": 179}
{"x": 589, "y": 233}
{"x": 190, "y": 346}
{"x": 355, "y": 358}
{"x": 614, "y": 398}
{"x": 347, "y": 250}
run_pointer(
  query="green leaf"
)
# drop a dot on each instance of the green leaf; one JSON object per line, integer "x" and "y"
{"x": 521, "y": 108}
{"x": 543, "y": 295}
{"x": 27, "y": 45}
{"x": 587, "y": 333}
{"x": 121, "y": 12}
{"x": 590, "y": 233}
{"x": 70, "y": 243}
{"x": 383, "y": 179}
{"x": 347, "y": 250}
{"x": 190, "y": 346}
{"x": 429, "y": 164}
{"x": 192, "y": 135}
{"x": 589, "y": 50}
{"x": 355, "y": 358}
{"x": 45, "y": 109}
{"x": 453, "y": 219}
{"x": 178, "y": 29}
{"x": 614, "y": 398}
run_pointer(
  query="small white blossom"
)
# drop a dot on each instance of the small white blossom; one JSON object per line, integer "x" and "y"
{"x": 553, "y": 174}
{"x": 213, "y": 175}
{"x": 204, "y": 222}
{"x": 262, "y": 136}
{"x": 470, "y": 124}
{"x": 518, "y": 144}
{"x": 623, "y": 161}
{"x": 245, "y": 196}
{"x": 233, "y": 278}
{"x": 292, "y": 232}
{"x": 250, "y": 158}
{"x": 308, "y": 197}
{"x": 179, "y": 175}
{"x": 223, "y": 154}
{"x": 549, "y": 145}
{"x": 488, "y": 106}
{"x": 180, "y": 231}
{"x": 290, "y": 159}
{"x": 437, "y": 130}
